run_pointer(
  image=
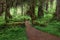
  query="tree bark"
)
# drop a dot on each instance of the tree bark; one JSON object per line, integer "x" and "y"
{"x": 51, "y": 1}
{"x": 31, "y": 11}
{"x": 7, "y": 12}
{"x": 1, "y": 9}
{"x": 47, "y": 5}
{"x": 40, "y": 9}
{"x": 57, "y": 14}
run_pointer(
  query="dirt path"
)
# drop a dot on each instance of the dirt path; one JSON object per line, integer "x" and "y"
{"x": 34, "y": 34}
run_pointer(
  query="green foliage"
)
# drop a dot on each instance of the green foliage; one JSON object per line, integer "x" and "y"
{"x": 13, "y": 33}
{"x": 36, "y": 11}
{"x": 2, "y": 19}
{"x": 51, "y": 28}
{"x": 18, "y": 33}
{"x": 20, "y": 18}
{"x": 18, "y": 14}
{"x": 48, "y": 15}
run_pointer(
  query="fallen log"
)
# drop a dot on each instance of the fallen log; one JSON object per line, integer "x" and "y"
{"x": 14, "y": 23}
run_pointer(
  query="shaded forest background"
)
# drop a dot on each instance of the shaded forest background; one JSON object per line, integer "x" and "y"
{"x": 44, "y": 15}
{"x": 34, "y": 9}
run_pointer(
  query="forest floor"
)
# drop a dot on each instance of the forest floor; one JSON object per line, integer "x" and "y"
{"x": 52, "y": 28}
{"x": 19, "y": 32}
{"x": 13, "y": 33}
{"x": 34, "y": 34}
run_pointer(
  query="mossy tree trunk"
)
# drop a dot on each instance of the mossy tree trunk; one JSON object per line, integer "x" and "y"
{"x": 31, "y": 11}
{"x": 40, "y": 9}
{"x": 1, "y": 9}
{"x": 7, "y": 11}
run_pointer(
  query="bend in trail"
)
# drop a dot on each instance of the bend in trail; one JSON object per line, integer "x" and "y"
{"x": 34, "y": 34}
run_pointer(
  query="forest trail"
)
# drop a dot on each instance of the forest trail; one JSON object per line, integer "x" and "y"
{"x": 34, "y": 34}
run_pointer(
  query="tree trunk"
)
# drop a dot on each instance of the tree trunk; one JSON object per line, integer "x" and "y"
{"x": 7, "y": 12}
{"x": 57, "y": 14}
{"x": 51, "y": 1}
{"x": 47, "y": 5}
{"x": 31, "y": 11}
{"x": 40, "y": 9}
{"x": 1, "y": 9}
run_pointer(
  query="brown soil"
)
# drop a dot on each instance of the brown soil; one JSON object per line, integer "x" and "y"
{"x": 34, "y": 34}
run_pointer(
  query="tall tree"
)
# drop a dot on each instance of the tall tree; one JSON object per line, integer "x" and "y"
{"x": 7, "y": 11}
{"x": 31, "y": 10}
{"x": 40, "y": 8}
{"x": 57, "y": 14}
{"x": 51, "y": 1}
{"x": 1, "y": 9}
{"x": 47, "y": 4}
